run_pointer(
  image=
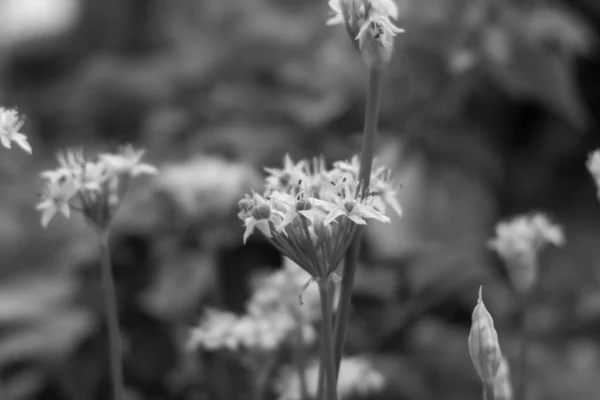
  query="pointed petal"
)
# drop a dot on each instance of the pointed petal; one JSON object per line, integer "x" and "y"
{"x": 47, "y": 215}
{"x": 142, "y": 169}
{"x": 21, "y": 141}
{"x": 333, "y": 214}
{"x": 249, "y": 228}
{"x": 5, "y": 141}
{"x": 65, "y": 210}
{"x": 356, "y": 219}
{"x": 263, "y": 226}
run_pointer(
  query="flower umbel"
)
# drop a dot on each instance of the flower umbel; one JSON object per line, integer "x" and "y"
{"x": 312, "y": 219}
{"x": 94, "y": 185}
{"x": 369, "y": 22}
{"x": 519, "y": 242}
{"x": 10, "y": 125}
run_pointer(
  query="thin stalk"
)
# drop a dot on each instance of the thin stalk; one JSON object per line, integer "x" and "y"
{"x": 488, "y": 391}
{"x": 521, "y": 391}
{"x": 328, "y": 355}
{"x": 300, "y": 361}
{"x": 112, "y": 318}
{"x": 364, "y": 176}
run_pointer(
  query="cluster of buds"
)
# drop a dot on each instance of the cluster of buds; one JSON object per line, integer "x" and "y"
{"x": 358, "y": 379}
{"x": 519, "y": 241}
{"x": 483, "y": 344}
{"x": 10, "y": 125}
{"x": 93, "y": 187}
{"x": 368, "y": 22}
{"x": 310, "y": 213}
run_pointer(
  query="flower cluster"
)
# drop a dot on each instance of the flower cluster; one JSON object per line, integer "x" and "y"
{"x": 94, "y": 185}
{"x": 358, "y": 377}
{"x": 310, "y": 213}
{"x": 10, "y": 125}
{"x": 272, "y": 315}
{"x": 370, "y": 23}
{"x": 519, "y": 241}
{"x": 224, "y": 330}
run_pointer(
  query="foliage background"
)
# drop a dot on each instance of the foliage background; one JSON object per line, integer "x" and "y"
{"x": 489, "y": 111}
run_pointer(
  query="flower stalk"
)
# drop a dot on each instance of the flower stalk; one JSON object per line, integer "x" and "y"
{"x": 521, "y": 389}
{"x": 112, "y": 318}
{"x": 366, "y": 161}
{"x": 328, "y": 355}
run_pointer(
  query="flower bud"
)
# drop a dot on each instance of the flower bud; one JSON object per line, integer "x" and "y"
{"x": 502, "y": 383}
{"x": 483, "y": 343}
{"x": 262, "y": 211}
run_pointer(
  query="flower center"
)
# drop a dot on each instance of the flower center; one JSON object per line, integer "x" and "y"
{"x": 261, "y": 212}
{"x": 349, "y": 206}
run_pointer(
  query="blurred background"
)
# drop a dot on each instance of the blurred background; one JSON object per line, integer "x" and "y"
{"x": 489, "y": 110}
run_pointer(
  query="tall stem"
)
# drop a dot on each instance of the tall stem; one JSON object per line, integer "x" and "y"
{"x": 521, "y": 391}
{"x": 328, "y": 356}
{"x": 488, "y": 391}
{"x": 112, "y": 318}
{"x": 300, "y": 361}
{"x": 364, "y": 176}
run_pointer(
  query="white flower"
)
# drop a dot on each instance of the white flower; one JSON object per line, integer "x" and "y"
{"x": 338, "y": 14}
{"x": 10, "y": 124}
{"x": 56, "y": 198}
{"x": 519, "y": 242}
{"x": 127, "y": 161}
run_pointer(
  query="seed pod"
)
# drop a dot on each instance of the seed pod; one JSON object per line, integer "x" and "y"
{"x": 483, "y": 343}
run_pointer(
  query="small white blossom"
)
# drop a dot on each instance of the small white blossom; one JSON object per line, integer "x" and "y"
{"x": 10, "y": 125}
{"x": 127, "y": 161}
{"x": 519, "y": 241}
{"x": 56, "y": 198}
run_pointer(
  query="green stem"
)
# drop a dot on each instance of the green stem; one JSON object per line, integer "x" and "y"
{"x": 301, "y": 362}
{"x": 112, "y": 318}
{"x": 521, "y": 391}
{"x": 488, "y": 391}
{"x": 328, "y": 355}
{"x": 366, "y": 162}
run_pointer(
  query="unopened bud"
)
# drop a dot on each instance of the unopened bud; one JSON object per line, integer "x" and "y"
{"x": 502, "y": 383}
{"x": 261, "y": 212}
{"x": 483, "y": 343}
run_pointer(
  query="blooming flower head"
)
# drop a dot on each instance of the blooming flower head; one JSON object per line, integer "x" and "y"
{"x": 10, "y": 125}
{"x": 483, "y": 343}
{"x": 55, "y": 198}
{"x": 311, "y": 219}
{"x": 93, "y": 184}
{"x": 358, "y": 378}
{"x": 519, "y": 242}
{"x": 370, "y": 23}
